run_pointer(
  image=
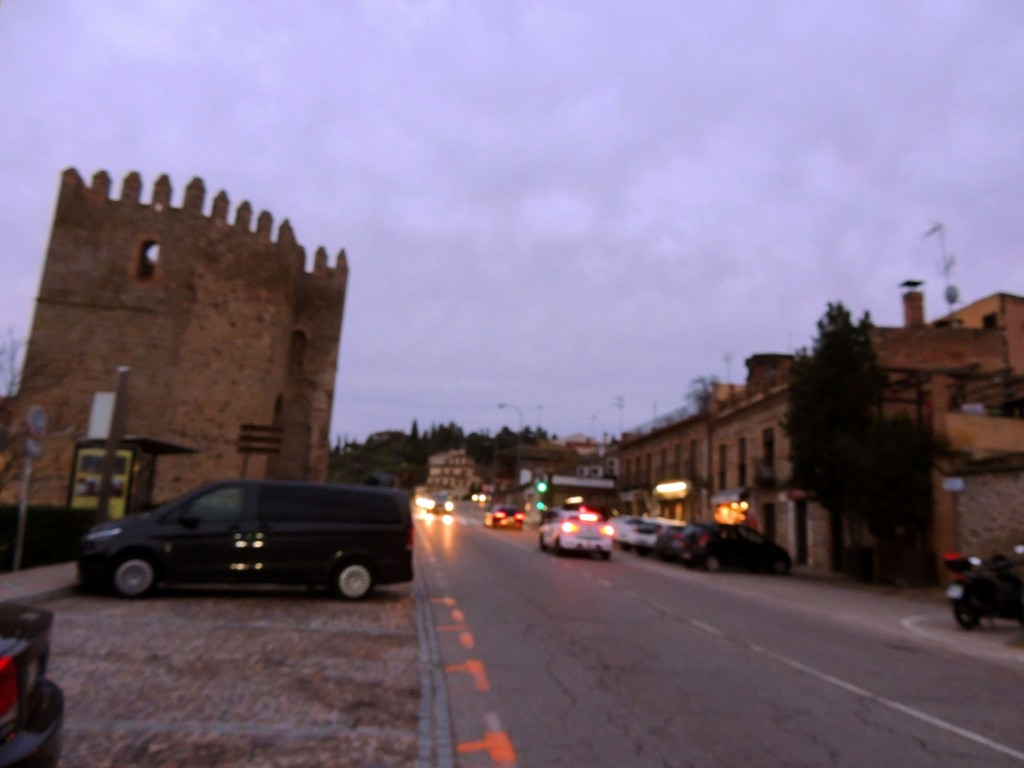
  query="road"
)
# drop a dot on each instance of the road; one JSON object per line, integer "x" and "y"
{"x": 565, "y": 661}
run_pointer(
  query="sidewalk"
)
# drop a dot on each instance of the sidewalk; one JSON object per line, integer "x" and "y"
{"x": 39, "y": 583}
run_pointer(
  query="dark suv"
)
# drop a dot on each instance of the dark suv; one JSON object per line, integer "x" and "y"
{"x": 718, "y": 545}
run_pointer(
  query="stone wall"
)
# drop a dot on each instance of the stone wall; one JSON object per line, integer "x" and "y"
{"x": 990, "y": 518}
{"x": 220, "y": 324}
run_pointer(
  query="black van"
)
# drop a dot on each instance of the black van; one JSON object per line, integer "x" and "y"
{"x": 257, "y": 532}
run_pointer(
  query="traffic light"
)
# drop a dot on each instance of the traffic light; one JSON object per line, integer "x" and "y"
{"x": 541, "y": 486}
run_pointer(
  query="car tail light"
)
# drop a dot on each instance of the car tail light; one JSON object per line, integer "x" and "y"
{"x": 8, "y": 694}
{"x": 520, "y": 515}
{"x": 607, "y": 530}
{"x": 499, "y": 515}
{"x": 569, "y": 527}
{"x": 589, "y": 517}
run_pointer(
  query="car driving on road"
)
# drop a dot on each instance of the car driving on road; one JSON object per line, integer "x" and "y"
{"x": 504, "y": 516}
{"x": 577, "y": 530}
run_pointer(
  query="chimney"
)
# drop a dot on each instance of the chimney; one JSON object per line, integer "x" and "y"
{"x": 913, "y": 304}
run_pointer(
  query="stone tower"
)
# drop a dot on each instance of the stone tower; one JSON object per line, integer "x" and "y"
{"x": 220, "y": 324}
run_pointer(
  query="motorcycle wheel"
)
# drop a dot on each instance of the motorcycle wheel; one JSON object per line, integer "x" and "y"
{"x": 965, "y": 614}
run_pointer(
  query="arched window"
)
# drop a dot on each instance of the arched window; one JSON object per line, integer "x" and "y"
{"x": 148, "y": 257}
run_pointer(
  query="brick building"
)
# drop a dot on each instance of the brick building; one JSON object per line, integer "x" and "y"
{"x": 960, "y": 376}
{"x": 453, "y": 472}
{"x": 220, "y": 324}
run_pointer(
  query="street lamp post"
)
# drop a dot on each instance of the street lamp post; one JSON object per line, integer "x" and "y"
{"x": 519, "y": 439}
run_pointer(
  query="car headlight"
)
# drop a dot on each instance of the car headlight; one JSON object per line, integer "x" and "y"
{"x": 103, "y": 533}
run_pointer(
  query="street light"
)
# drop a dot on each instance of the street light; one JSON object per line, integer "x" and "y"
{"x": 519, "y": 438}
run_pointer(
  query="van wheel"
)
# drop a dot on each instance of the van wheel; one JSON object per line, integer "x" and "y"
{"x": 135, "y": 576}
{"x": 353, "y": 581}
{"x": 712, "y": 563}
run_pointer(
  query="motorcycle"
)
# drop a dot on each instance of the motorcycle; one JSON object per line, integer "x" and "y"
{"x": 986, "y": 588}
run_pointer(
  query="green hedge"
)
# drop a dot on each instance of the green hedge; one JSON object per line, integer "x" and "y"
{"x": 51, "y": 535}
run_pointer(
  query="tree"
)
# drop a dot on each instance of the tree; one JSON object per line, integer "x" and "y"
{"x": 835, "y": 395}
{"x": 892, "y": 493}
{"x": 698, "y": 396}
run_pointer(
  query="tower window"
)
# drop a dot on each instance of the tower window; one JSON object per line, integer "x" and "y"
{"x": 149, "y": 256}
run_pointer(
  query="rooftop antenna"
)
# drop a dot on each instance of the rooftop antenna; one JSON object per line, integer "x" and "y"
{"x": 952, "y": 294}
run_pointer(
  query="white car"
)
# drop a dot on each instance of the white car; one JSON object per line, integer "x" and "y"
{"x": 637, "y": 533}
{"x": 576, "y": 530}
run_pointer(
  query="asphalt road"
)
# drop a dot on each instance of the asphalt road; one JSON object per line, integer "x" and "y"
{"x": 566, "y": 661}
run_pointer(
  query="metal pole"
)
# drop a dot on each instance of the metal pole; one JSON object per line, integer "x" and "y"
{"x": 19, "y": 545}
{"x": 519, "y": 439}
{"x": 117, "y": 426}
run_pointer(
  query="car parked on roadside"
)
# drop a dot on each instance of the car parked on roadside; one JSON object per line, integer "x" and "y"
{"x": 714, "y": 546}
{"x": 668, "y": 543}
{"x": 504, "y": 516}
{"x": 31, "y": 705}
{"x": 644, "y": 534}
{"x": 242, "y": 532}
{"x": 623, "y": 525}
{"x": 581, "y": 530}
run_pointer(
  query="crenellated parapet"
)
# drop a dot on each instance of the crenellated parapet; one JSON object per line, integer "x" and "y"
{"x": 74, "y": 191}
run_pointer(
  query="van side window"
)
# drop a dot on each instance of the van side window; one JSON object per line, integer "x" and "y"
{"x": 280, "y": 504}
{"x": 355, "y": 507}
{"x": 294, "y": 505}
{"x": 223, "y": 505}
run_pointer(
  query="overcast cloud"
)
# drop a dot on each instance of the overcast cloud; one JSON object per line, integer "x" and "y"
{"x": 549, "y": 204}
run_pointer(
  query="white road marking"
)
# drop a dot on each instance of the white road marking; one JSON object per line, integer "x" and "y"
{"x": 706, "y": 627}
{"x": 917, "y": 714}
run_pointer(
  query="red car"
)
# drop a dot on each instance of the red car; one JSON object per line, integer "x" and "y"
{"x": 504, "y": 517}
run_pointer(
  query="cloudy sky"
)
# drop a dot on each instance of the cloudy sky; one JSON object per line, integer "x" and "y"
{"x": 544, "y": 203}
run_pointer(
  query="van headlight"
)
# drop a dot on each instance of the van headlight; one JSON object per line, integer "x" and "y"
{"x": 103, "y": 533}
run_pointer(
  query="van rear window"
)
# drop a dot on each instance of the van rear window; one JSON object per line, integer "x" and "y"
{"x": 325, "y": 505}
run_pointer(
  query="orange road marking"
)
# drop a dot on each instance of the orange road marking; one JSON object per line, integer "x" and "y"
{"x": 475, "y": 668}
{"x": 458, "y": 617}
{"x": 443, "y": 600}
{"x": 495, "y": 742}
{"x": 467, "y": 640}
{"x": 451, "y": 628}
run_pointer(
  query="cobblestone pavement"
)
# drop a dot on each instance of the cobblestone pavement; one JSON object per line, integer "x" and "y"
{"x": 275, "y": 678}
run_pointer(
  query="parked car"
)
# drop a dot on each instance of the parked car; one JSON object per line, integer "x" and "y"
{"x": 241, "y": 532}
{"x": 644, "y": 534}
{"x": 576, "y": 530}
{"x": 504, "y": 516}
{"x": 718, "y": 545}
{"x": 623, "y": 525}
{"x": 668, "y": 544}
{"x": 31, "y": 705}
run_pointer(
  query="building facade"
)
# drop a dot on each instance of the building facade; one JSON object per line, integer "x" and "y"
{"x": 958, "y": 377}
{"x": 220, "y": 325}
{"x": 453, "y": 472}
